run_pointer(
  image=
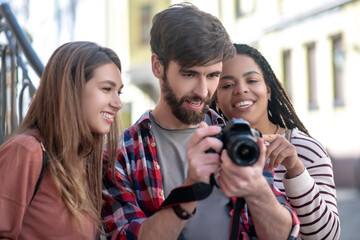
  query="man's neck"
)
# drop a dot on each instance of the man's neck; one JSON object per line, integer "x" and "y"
{"x": 166, "y": 119}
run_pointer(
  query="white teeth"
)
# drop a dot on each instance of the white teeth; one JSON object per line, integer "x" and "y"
{"x": 196, "y": 104}
{"x": 107, "y": 115}
{"x": 244, "y": 104}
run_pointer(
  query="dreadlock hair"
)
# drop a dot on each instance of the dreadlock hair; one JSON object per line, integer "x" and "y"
{"x": 280, "y": 109}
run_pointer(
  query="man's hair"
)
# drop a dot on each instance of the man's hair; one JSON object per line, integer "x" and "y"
{"x": 75, "y": 153}
{"x": 189, "y": 36}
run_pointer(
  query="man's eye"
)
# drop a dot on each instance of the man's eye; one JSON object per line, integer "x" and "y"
{"x": 214, "y": 75}
{"x": 188, "y": 75}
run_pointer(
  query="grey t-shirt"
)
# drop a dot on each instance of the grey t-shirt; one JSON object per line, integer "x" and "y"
{"x": 212, "y": 218}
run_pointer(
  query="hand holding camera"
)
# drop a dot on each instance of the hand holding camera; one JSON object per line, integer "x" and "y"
{"x": 243, "y": 160}
{"x": 235, "y": 149}
{"x": 202, "y": 164}
{"x": 245, "y": 181}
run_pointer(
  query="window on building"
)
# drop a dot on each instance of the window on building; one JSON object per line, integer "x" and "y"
{"x": 244, "y": 7}
{"x": 311, "y": 76}
{"x": 287, "y": 72}
{"x": 145, "y": 24}
{"x": 280, "y": 6}
{"x": 338, "y": 61}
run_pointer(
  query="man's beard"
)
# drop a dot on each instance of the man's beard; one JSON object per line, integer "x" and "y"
{"x": 186, "y": 116}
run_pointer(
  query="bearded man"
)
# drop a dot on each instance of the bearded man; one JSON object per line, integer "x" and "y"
{"x": 166, "y": 149}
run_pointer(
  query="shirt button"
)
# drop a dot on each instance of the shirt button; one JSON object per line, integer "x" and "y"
{"x": 162, "y": 193}
{"x": 153, "y": 144}
{"x": 157, "y": 166}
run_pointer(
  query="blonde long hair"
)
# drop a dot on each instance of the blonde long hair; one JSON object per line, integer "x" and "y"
{"x": 74, "y": 152}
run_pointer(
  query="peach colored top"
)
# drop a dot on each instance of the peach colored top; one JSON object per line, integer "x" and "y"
{"x": 47, "y": 216}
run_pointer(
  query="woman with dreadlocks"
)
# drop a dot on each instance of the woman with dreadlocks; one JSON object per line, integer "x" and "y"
{"x": 249, "y": 89}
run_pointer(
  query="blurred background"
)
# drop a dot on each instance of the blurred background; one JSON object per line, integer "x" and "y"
{"x": 312, "y": 45}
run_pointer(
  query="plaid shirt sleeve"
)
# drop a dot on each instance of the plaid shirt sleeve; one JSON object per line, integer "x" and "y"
{"x": 137, "y": 191}
{"x": 121, "y": 212}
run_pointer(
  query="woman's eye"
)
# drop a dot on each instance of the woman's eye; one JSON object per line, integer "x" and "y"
{"x": 107, "y": 89}
{"x": 252, "y": 80}
{"x": 227, "y": 86}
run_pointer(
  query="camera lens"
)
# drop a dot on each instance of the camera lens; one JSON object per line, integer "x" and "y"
{"x": 243, "y": 150}
{"x": 246, "y": 152}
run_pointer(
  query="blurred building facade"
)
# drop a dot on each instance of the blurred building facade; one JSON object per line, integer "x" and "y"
{"x": 314, "y": 49}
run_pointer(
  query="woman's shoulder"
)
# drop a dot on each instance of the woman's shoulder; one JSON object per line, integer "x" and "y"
{"x": 27, "y": 141}
{"x": 24, "y": 147}
{"x": 306, "y": 144}
{"x": 20, "y": 156}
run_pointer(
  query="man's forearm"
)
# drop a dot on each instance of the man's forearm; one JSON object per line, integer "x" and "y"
{"x": 164, "y": 225}
{"x": 271, "y": 219}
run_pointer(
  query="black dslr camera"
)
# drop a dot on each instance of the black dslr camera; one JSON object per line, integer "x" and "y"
{"x": 240, "y": 141}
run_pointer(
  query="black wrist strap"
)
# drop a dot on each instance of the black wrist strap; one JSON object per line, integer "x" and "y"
{"x": 195, "y": 192}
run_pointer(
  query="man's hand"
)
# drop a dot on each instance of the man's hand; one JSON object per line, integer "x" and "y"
{"x": 238, "y": 181}
{"x": 271, "y": 220}
{"x": 202, "y": 164}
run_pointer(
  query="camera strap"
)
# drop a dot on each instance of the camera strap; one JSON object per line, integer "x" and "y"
{"x": 195, "y": 192}
{"x": 235, "y": 225}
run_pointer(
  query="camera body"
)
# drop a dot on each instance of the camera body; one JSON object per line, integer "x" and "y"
{"x": 240, "y": 141}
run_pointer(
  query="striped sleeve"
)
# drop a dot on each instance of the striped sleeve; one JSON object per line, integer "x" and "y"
{"x": 312, "y": 194}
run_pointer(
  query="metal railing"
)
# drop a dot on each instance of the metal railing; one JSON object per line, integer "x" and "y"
{"x": 13, "y": 46}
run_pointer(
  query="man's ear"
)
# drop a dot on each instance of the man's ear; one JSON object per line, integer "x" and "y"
{"x": 157, "y": 67}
